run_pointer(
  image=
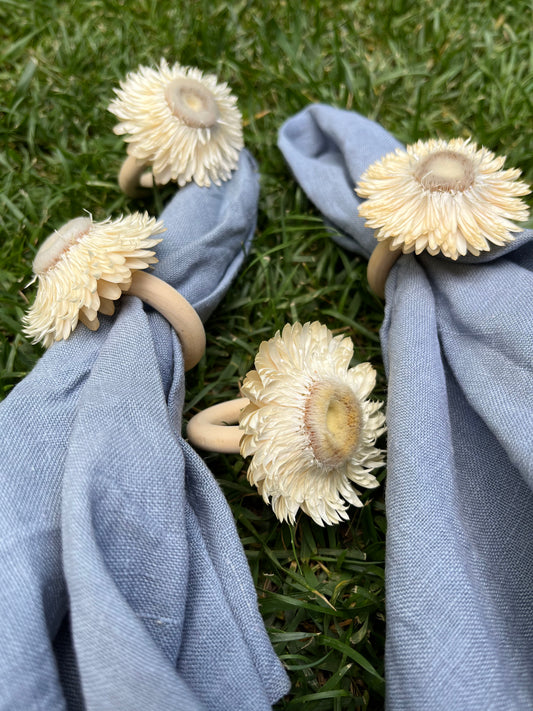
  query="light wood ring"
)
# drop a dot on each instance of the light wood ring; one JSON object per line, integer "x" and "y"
{"x": 379, "y": 265}
{"x": 176, "y": 309}
{"x": 210, "y": 429}
{"x": 133, "y": 177}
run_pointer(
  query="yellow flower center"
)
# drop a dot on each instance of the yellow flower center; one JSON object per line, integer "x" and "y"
{"x": 191, "y": 102}
{"x": 59, "y": 242}
{"x": 445, "y": 171}
{"x": 333, "y": 422}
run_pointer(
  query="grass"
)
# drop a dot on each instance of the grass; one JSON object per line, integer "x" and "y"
{"x": 428, "y": 69}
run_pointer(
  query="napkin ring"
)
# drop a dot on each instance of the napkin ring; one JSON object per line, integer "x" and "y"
{"x": 441, "y": 197}
{"x": 178, "y": 312}
{"x": 215, "y": 429}
{"x": 306, "y": 422}
{"x": 380, "y": 263}
{"x": 134, "y": 178}
{"x": 183, "y": 123}
{"x": 85, "y": 266}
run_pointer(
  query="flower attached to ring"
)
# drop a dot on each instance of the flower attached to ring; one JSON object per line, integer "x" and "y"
{"x": 309, "y": 427}
{"x": 182, "y": 122}
{"x": 82, "y": 268}
{"x": 443, "y": 196}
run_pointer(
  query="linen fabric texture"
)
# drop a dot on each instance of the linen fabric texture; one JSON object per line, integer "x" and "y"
{"x": 123, "y": 583}
{"x": 457, "y": 341}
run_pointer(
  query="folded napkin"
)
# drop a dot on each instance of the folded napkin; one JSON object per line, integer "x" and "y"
{"x": 123, "y": 583}
{"x": 457, "y": 342}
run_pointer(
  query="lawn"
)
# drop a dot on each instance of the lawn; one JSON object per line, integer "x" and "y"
{"x": 422, "y": 70}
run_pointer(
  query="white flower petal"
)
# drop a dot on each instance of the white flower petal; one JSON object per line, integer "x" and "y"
{"x": 301, "y": 363}
{"x": 157, "y": 134}
{"x": 460, "y": 203}
{"x": 97, "y": 260}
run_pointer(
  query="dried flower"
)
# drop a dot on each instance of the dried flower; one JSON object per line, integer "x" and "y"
{"x": 442, "y": 196}
{"x": 82, "y": 268}
{"x": 309, "y": 427}
{"x": 182, "y": 122}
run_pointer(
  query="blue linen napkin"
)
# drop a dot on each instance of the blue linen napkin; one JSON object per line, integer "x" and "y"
{"x": 457, "y": 341}
{"x": 123, "y": 583}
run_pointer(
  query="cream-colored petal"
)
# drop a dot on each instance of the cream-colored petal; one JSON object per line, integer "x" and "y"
{"x": 276, "y": 428}
{"x": 157, "y": 134}
{"x": 91, "y": 266}
{"x": 447, "y": 220}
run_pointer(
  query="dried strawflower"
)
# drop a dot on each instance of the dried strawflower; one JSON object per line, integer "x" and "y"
{"x": 181, "y": 121}
{"x": 82, "y": 268}
{"x": 309, "y": 427}
{"x": 443, "y": 196}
